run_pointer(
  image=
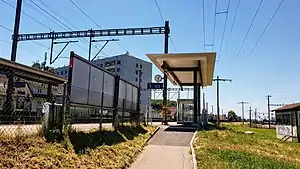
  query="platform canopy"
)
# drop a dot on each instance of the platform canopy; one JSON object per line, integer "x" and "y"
{"x": 29, "y": 73}
{"x": 181, "y": 67}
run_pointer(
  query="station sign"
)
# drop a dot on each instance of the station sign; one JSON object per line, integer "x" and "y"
{"x": 155, "y": 86}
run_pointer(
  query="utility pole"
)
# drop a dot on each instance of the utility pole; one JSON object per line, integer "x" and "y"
{"x": 218, "y": 101}
{"x": 8, "y": 106}
{"x": 250, "y": 110}
{"x": 269, "y": 113}
{"x": 255, "y": 113}
{"x": 139, "y": 98}
{"x": 242, "y": 103}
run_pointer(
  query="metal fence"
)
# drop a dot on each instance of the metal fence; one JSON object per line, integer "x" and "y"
{"x": 90, "y": 98}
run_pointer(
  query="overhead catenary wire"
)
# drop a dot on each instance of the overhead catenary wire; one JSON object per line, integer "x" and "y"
{"x": 224, "y": 31}
{"x": 91, "y": 19}
{"x": 232, "y": 25}
{"x": 6, "y": 28}
{"x": 266, "y": 27}
{"x": 203, "y": 19}
{"x": 162, "y": 18}
{"x": 214, "y": 29}
{"x": 257, "y": 10}
{"x": 66, "y": 21}
{"x": 61, "y": 24}
{"x": 29, "y": 16}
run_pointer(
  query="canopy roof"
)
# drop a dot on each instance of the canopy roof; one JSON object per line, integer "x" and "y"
{"x": 181, "y": 66}
{"x": 29, "y": 73}
{"x": 294, "y": 106}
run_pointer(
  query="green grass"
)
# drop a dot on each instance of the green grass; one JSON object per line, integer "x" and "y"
{"x": 94, "y": 149}
{"x": 229, "y": 147}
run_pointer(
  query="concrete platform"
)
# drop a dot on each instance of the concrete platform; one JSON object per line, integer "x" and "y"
{"x": 168, "y": 149}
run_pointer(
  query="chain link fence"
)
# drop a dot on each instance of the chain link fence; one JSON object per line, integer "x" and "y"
{"x": 35, "y": 101}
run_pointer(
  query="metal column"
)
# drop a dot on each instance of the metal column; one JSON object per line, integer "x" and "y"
{"x": 195, "y": 96}
{"x": 166, "y": 49}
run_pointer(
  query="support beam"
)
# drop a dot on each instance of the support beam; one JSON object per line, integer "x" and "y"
{"x": 95, "y": 33}
{"x": 182, "y": 69}
{"x": 166, "y": 50}
{"x": 200, "y": 71}
{"x": 195, "y": 96}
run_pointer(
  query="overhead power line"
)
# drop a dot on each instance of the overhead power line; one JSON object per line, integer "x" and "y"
{"x": 214, "y": 29}
{"x": 4, "y": 27}
{"x": 203, "y": 18}
{"x": 234, "y": 17}
{"x": 266, "y": 27}
{"x": 91, "y": 19}
{"x": 29, "y": 16}
{"x": 61, "y": 24}
{"x": 224, "y": 31}
{"x": 50, "y": 15}
{"x": 261, "y": 1}
{"x": 162, "y": 18}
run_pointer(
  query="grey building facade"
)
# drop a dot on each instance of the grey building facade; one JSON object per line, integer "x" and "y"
{"x": 128, "y": 68}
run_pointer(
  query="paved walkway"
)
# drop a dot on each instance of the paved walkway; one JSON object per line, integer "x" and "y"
{"x": 168, "y": 149}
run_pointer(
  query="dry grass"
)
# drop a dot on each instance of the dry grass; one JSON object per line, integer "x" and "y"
{"x": 108, "y": 149}
{"x": 228, "y": 147}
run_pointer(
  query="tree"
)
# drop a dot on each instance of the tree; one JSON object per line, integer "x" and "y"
{"x": 231, "y": 116}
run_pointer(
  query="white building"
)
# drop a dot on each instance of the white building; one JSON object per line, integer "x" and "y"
{"x": 128, "y": 67}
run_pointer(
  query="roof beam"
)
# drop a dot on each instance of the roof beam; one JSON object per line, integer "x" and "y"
{"x": 182, "y": 69}
{"x": 165, "y": 66}
{"x": 200, "y": 71}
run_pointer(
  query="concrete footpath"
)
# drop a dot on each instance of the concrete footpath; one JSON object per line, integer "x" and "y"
{"x": 168, "y": 149}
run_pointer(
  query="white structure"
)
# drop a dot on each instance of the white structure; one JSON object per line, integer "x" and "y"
{"x": 128, "y": 67}
{"x": 287, "y": 122}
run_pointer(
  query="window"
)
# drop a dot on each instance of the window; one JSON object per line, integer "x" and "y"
{"x": 111, "y": 70}
{"x": 111, "y": 63}
{"x": 137, "y": 72}
{"x": 118, "y": 62}
{"x": 97, "y": 64}
{"x": 141, "y": 66}
{"x": 61, "y": 72}
{"x": 101, "y": 65}
{"x": 66, "y": 71}
{"x": 118, "y": 69}
{"x": 136, "y": 79}
{"x": 137, "y": 65}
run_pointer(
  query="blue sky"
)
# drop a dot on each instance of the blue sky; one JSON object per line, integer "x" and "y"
{"x": 271, "y": 69}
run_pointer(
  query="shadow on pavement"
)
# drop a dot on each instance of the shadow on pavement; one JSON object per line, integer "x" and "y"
{"x": 181, "y": 128}
{"x": 82, "y": 141}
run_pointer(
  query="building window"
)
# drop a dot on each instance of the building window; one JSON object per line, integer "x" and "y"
{"x": 141, "y": 66}
{"x": 111, "y": 63}
{"x": 137, "y": 72}
{"x": 97, "y": 64}
{"x": 118, "y": 69}
{"x": 101, "y": 65}
{"x": 136, "y": 79}
{"x": 111, "y": 70}
{"x": 61, "y": 72}
{"x": 137, "y": 65}
{"x": 66, "y": 71}
{"x": 118, "y": 62}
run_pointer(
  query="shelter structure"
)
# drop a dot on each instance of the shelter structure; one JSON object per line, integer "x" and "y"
{"x": 186, "y": 69}
{"x": 19, "y": 74}
{"x": 287, "y": 122}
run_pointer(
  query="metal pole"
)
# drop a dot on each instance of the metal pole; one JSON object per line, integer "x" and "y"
{"x": 166, "y": 50}
{"x": 9, "y": 92}
{"x": 250, "y": 116}
{"x": 218, "y": 102}
{"x": 243, "y": 112}
{"x": 195, "y": 96}
{"x": 90, "y": 46}
{"x": 255, "y": 116}
{"x": 269, "y": 113}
